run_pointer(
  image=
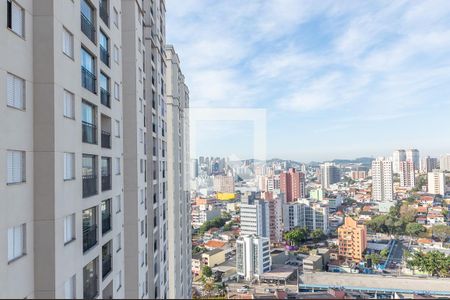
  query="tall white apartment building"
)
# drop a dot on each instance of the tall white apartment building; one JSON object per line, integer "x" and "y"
{"x": 444, "y": 164}
{"x": 252, "y": 256}
{"x": 414, "y": 156}
{"x": 179, "y": 204}
{"x": 255, "y": 218}
{"x": 61, "y": 150}
{"x": 329, "y": 174}
{"x": 397, "y": 157}
{"x": 407, "y": 175}
{"x": 436, "y": 182}
{"x": 382, "y": 183}
{"x": 304, "y": 214}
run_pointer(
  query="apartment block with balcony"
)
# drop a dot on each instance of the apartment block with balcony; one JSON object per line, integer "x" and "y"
{"x": 59, "y": 150}
{"x": 178, "y": 197}
{"x": 352, "y": 240}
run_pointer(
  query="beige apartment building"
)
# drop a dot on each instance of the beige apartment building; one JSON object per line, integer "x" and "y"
{"x": 179, "y": 203}
{"x": 352, "y": 238}
{"x": 83, "y": 146}
{"x": 61, "y": 148}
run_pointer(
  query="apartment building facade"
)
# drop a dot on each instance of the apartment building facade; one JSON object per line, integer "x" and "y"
{"x": 293, "y": 185}
{"x": 255, "y": 218}
{"x": 407, "y": 174}
{"x": 382, "y": 180}
{"x": 62, "y": 148}
{"x": 436, "y": 182}
{"x": 252, "y": 256}
{"x": 179, "y": 204}
{"x": 304, "y": 214}
{"x": 329, "y": 174}
{"x": 352, "y": 240}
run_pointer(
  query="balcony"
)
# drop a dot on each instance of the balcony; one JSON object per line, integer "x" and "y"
{"x": 89, "y": 185}
{"x": 90, "y": 288}
{"x": 88, "y": 80}
{"x": 103, "y": 10}
{"x": 89, "y": 133}
{"x": 104, "y": 56}
{"x": 89, "y": 237}
{"x": 106, "y": 139}
{"x": 106, "y": 265}
{"x": 88, "y": 28}
{"x": 105, "y": 97}
{"x": 106, "y": 182}
{"x": 106, "y": 223}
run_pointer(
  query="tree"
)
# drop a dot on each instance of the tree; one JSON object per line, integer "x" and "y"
{"x": 375, "y": 257}
{"x": 317, "y": 234}
{"x": 434, "y": 262}
{"x": 207, "y": 271}
{"x": 228, "y": 226}
{"x": 441, "y": 231}
{"x": 414, "y": 229}
{"x": 296, "y": 236}
{"x": 208, "y": 287}
{"x": 384, "y": 253}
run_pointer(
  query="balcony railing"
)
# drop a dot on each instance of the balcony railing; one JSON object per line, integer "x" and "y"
{"x": 105, "y": 97}
{"x": 89, "y": 185}
{"x": 106, "y": 139}
{"x": 89, "y": 133}
{"x": 104, "y": 56}
{"x": 90, "y": 288}
{"x": 104, "y": 12}
{"x": 88, "y": 28}
{"x": 89, "y": 237}
{"x": 88, "y": 80}
{"x": 106, "y": 182}
{"x": 106, "y": 265}
{"x": 106, "y": 222}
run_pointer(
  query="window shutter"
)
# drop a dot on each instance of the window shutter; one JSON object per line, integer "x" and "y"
{"x": 17, "y": 19}
{"x": 10, "y": 244}
{"x": 10, "y": 167}
{"x": 18, "y": 92}
{"x": 18, "y": 241}
{"x": 10, "y": 89}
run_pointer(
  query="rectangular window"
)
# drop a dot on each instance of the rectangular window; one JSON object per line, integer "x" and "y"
{"x": 117, "y": 128}
{"x": 116, "y": 18}
{"x": 142, "y": 196}
{"x": 69, "y": 105}
{"x": 88, "y": 77}
{"x": 140, "y": 74}
{"x": 119, "y": 242}
{"x": 69, "y": 288}
{"x": 69, "y": 166}
{"x": 118, "y": 280}
{"x": 69, "y": 228}
{"x": 67, "y": 45}
{"x": 141, "y": 135}
{"x": 116, "y": 90}
{"x": 117, "y": 166}
{"x": 16, "y": 242}
{"x": 139, "y": 43}
{"x": 104, "y": 48}
{"x": 16, "y": 18}
{"x": 116, "y": 54}
{"x": 15, "y": 166}
{"x": 15, "y": 87}
{"x": 118, "y": 203}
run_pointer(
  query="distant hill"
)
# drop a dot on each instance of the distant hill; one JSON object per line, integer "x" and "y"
{"x": 367, "y": 161}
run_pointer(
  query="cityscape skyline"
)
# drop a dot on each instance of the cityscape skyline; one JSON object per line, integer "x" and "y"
{"x": 375, "y": 72}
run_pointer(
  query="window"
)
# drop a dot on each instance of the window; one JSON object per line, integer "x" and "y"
{"x": 141, "y": 135}
{"x": 16, "y": 242}
{"x": 118, "y": 280}
{"x": 119, "y": 242}
{"x": 87, "y": 20}
{"x": 69, "y": 288}
{"x": 116, "y": 90}
{"x": 117, "y": 128}
{"x": 139, "y": 43}
{"x": 69, "y": 228}
{"x": 140, "y": 105}
{"x": 142, "y": 196}
{"x": 106, "y": 209}
{"x": 116, "y": 18}
{"x": 67, "y": 45}
{"x": 69, "y": 166}
{"x": 104, "y": 48}
{"x": 140, "y": 74}
{"x": 142, "y": 227}
{"x": 89, "y": 228}
{"x": 89, "y": 125}
{"x": 118, "y": 203}
{"x": 116, "y": 54}
{"x": 15, "y": 87}
{"x": 16, "y": 18}
{"x": 88, "y": 77}
{"x": 15, "y": 166}
{"x": 117, "y": 166}
{"x": 69, "y": 105}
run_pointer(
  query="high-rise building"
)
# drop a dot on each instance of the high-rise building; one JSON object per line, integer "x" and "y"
{"x": 352, "y": 240}
{"x": 444, "y": 164}
{"x": 60, "y": 151}
{"x": 382, "y": 182}
{"x": 224, "y": 184}
{"x": 436, "y": 182}
{"x": 329, "y": 174}
{"x": 397, "y": 157}
{"x": 428, "y": 164}
{"x": 255, "y": 217}
{"x": 178, "y": 200}
{"x": 276, "y": 218}
{"x": 252, "y": 256}
{"x": 292, "y": 184}
{"x": 305, "y": 214}
{"x": 407, "y": 175}
{"x": 414, "y": 156}
{"x": 194, "y": 168}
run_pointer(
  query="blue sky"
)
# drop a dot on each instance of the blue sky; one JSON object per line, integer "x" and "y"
{"x": 339, "y": 79}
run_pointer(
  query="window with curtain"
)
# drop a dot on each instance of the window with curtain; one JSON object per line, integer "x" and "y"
{"x": 16, "y": 242}
{"x": 67, "y": 43}
{"x": 15, "y": 90}
{"x": 15, "y": 166}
